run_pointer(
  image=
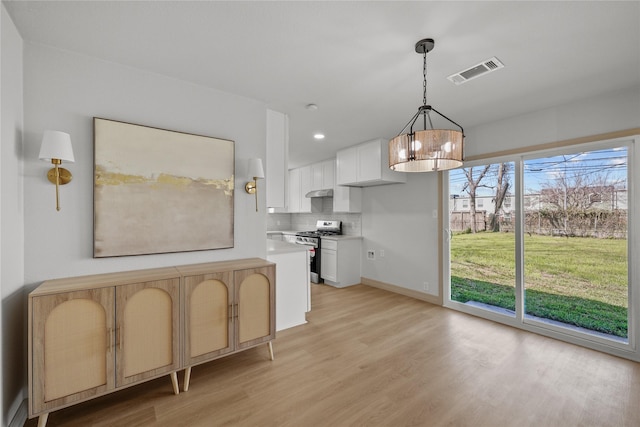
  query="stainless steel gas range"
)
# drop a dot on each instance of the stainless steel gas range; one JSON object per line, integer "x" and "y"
{"x": 313, "y": 240}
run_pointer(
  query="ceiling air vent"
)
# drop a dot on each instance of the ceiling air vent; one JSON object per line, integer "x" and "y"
{"x": 477, "y": 70}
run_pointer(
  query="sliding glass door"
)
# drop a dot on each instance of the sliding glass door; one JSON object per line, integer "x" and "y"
{"x": 541, "y": 241}
{"x": 575, "y": 241}
{"x": 482, "y": 244}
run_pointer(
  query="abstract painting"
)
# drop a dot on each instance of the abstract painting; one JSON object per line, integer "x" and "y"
{"x": 158, "y": 191}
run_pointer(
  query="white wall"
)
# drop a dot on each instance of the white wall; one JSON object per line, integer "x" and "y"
{"x": 11, "y": 221}
{"x": 593, "y": 116}
{"x": 63, "y": 91}
{"x": 398, "y": 218}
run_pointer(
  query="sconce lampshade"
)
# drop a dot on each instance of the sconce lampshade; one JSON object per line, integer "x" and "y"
{"x": 255, "y": 168}
{"x": 56, "y": 148}
{"x": 56, "y": 145}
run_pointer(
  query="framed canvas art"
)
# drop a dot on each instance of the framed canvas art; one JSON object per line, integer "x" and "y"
{"x": 158, "y": 191}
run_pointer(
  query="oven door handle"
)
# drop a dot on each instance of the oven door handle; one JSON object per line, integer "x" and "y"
{"x": 306, "y": 244}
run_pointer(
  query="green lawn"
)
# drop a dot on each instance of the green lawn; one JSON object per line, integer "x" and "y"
{"x": 578, "y": 281}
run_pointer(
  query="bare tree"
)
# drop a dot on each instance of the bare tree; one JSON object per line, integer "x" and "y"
{"x": 471, "y": 187}
{"x": 577, "y": 203}
{"x": 502, "y": 188}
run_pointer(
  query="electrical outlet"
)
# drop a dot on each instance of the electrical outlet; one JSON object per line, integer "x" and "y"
{"x": 425, "y": 286}
{"x": 381, "y": 253}
{"x": 371, "y": 254}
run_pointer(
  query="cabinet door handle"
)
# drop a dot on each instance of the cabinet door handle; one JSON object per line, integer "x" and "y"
{"x": 230, "y": 311}
{"x": 237, "y": 310}
{"x": 109, "y": 340}
{"x": 120, "y": 333}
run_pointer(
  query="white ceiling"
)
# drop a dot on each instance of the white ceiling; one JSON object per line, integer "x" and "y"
{"x": 356, "y": 60}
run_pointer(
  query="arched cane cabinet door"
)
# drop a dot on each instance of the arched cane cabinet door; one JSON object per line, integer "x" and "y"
{"x": 72, "y": 347}
{"x": 255, "y": 310}
{"x": 147, "y": 316}
{"x": 208, "y": 317}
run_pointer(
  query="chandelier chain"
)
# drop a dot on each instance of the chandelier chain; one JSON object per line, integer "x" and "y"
{"x": 424, "y": 79}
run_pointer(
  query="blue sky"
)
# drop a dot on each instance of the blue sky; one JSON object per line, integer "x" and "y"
{"x": 609, "y": 164}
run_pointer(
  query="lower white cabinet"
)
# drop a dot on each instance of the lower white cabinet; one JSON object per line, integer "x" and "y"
{"x": 293, "y": 287}
{"x": 340, "y": 261}
{"x": 329, "y": 259}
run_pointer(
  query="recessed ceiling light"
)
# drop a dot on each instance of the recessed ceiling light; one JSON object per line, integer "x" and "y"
{"x": 319, "y": 136}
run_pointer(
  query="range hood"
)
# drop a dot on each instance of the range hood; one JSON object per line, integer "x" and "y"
{"x": 319, "y": 193}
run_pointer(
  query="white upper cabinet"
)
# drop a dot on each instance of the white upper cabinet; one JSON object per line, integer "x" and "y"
{"x": 346, "y": 166}
{"x": 323, "y": 175}
{"x": 277, "y": 159}
{"x": 366, "y": 164}
{"x": 305, "y": 187}
{"x": 294, "y": 190}
{"x": 316, "y": 176}
{"x": 328, "y": 174}
{"x": 320, "y": 176}
{"x": 370, "y": 162}
{"x": 299, "y": 185}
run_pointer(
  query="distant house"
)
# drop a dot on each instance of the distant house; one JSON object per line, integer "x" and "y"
{"x": 460, "y": 208}
{"x": 591, "y": 211}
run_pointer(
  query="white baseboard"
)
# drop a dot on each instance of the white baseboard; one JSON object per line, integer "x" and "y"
{"x": 20, "y": 417}
{"x": 433, "y": 299}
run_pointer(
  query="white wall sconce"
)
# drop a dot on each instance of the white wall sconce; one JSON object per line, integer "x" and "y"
{"x": 256, "y": 171}
{"x": 56, "y": 148}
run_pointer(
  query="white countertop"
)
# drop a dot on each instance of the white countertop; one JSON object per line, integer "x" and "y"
{"x": 279, "y": 247}
{"x": 334, "y": 237}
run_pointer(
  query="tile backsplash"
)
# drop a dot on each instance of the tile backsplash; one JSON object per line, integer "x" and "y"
{"x": 279, "y": 222}
{"x": 351, "y": 223}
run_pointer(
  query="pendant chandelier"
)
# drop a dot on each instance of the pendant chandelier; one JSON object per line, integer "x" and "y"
{"x": 428, "y": 149}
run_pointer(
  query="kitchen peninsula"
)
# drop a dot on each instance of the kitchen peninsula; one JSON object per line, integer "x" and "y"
{"x": 293, "y": 291}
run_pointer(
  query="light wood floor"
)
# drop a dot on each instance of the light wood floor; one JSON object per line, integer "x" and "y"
{"x": 368, "y": 357}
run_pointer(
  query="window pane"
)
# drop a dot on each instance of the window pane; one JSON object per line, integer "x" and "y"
{"x": 482, "y": 247}
{"x": 575, "y": 242}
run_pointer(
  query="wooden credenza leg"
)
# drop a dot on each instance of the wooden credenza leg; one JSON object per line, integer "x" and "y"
{"x": 42, "y": 420}
{"x": 187, "y": 378}
{"x": 174, "y": 382}
{"x": 270, "y": 344}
